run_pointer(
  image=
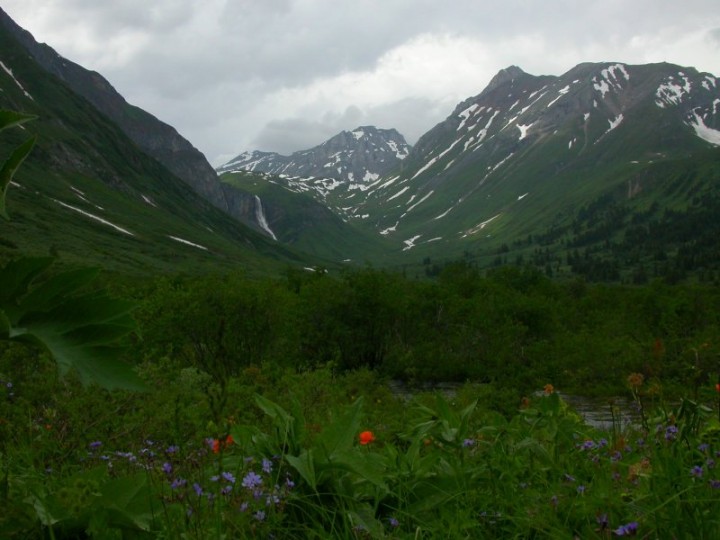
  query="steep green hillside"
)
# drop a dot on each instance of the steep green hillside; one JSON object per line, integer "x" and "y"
{"x": 300, "y": 221}
{"x": 89, "y": 195}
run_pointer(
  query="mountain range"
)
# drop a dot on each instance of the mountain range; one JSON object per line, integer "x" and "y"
{"x": 609, "y": 171}
{"x": 527, "y": 155}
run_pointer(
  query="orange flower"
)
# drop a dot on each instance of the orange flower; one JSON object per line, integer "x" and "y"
{"x": 366, "y": 437}
{"x": 717, "y": 387}
{"x": 217, "y": 444}
{"x": 549, "y": 389}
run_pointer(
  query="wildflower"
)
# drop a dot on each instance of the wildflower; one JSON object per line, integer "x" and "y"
{"x": 214, "y": 478}
{"x": 616, "y": 456}
{"x": 548, "y": 389}
{"x": 167, "y": 468}
{"x": 227, "y": 476}
{"x": 95, "y": 444}
{"x": 266, "y": 466}
{"x": 244, "y": 507}
{"x": 710, "y": 462}
{"x": 627, "y": 530}
{"x": 467, "y": 443}
{"x": 581, "y": 489}
{"x": 366, "y": 437}
{"x": 696, "y": 471}
{"x": 602, "y": 520}
{"x": 259, "y": 515}
{"x": 717, "y": 387}
{"x": 715, "y": 484}
{"x": 671, "y": 433}
{"x": 568, "y": 478}
{"x": 226, "y": 490}
{"x": 289, "y": 483}
{"x": 217, "y": 444}
{"x": 602, "y": 443}
{"x": 251, "y": 480}
{"x": 554, "y": 501}
{"x": 587, "y": 445}
{"x": 393, "y": 522}
{"x": 172, "y": 449}
{"x": 703, "y": 447}
{"x": 198, "y": 489}
{"x": 178, "y": 483}
{"x": 636, "y": 380}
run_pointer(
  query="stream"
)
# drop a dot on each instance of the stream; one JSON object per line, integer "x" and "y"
{"x": 595, "y": 411}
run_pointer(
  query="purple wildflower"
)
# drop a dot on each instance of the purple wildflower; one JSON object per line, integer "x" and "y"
{"x": 710, "y": 463}
{"x": 627, "y": 530}
{"x": 616, "y": 456}
{"x": 226, "y": 490}
{"x": 393, "y": 522}
{"x": 95, "y": 445}
{"x": 568, "y": 478}
{"x": 671, "y": 433}
{"x": 602, "y": 520}
{"x": 244, "y": 507}
{"x": 468, "y": 443}
{"x": 172, "y": 449}
{"x": 267, "y": 465}
{"x": 251, "y": 480}
{"x": 289, "y": 483}
{"x": 581, "y": 489}
{"x": 214, "y": 478}
{"x": 715, "y": 484}
{"x": 259, "y": 515}
{"x": 228, "y": 477}
{"x": 587, "y": 445}
{"x": 167, "y": 468}
{"x": 178, "y": 483}
{"x": 198, "y": 489}
{"x": 703, "y": 447}
{"x": 696, "y": 471}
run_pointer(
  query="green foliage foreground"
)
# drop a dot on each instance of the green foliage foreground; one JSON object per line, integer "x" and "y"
{"x": 85, "y": 464}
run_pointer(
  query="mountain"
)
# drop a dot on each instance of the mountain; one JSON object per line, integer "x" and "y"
{"x": 322, "y": 178}
{"x": 352, "y": 157}
{"x": 526, "y": 137}
{"x": 535, "y": 156}
{"x": 151, "y": 135}
{"x": 88, "y": 194}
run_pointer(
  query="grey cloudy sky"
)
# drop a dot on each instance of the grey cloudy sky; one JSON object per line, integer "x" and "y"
{"x": 285, "y": 75}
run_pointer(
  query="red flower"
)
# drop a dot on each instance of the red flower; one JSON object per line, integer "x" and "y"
{"x": 717, "y": 387}
{"x": 366, "y": 437}
{"x": 217, "y": 444}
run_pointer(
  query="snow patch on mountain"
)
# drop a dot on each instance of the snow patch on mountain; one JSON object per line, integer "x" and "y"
{"x": 187, "y": 242}
{"x": 561, "y": 93}
{"x": 403, "y": 190}
{"x": 20, "y": 86}
{"x": 672, "y": 91}
{"x": 410, "y": 242}
{"x": 523, "y": 130}
{"x": 704, "y": 132}
{"x": 94, "y": 217}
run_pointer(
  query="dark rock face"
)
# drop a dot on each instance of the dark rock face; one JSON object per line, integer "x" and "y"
{"x": 153, "y": 136}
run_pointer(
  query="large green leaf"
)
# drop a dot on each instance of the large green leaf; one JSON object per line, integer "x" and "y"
{"x": 8, "y": 169}
{"x": 80, "y": 330}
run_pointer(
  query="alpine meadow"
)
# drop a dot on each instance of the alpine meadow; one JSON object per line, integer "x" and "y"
{"x": 508, "y": 329}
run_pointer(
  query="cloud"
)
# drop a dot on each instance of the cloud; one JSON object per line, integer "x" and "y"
{"x": 242, "y": 74}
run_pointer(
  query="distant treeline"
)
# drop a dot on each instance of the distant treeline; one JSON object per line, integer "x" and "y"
{"x": 513, "y": 326}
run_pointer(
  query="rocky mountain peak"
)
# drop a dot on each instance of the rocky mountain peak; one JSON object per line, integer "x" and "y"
{"x": 355, "y": 157}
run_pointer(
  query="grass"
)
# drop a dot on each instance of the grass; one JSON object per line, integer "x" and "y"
{"x": 294, "y": 463}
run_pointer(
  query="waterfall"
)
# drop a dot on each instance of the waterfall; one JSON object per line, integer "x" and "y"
{"x": 260, "y": 217}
